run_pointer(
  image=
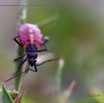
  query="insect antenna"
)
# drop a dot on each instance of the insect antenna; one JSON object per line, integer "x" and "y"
{"x": 47, "y": 61}
{"x": 17, "y": 75}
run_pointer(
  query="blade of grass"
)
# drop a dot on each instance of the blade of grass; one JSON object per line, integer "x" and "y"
{"x": 59, "y": 74}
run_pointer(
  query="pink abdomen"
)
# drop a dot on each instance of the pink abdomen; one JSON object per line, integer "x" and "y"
{"x": 25, "y": 32}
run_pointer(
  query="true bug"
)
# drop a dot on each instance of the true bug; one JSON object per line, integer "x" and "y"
{"x": 30, "y": 39}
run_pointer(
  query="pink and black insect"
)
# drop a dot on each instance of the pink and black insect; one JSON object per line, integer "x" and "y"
{"x": 30, "y": 39}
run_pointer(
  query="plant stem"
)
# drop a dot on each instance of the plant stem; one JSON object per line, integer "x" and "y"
{"x": 22, "y": 19}
{"x": 22, "y": 79}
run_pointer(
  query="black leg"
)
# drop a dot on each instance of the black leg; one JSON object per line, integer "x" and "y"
{"x": 15, "y": 39}
{"x": 45, "y": 40}
{"x": 20, "y": 66}
{"x": 47, "y": 61}
{"x": 45, "y": 49}
{"x": 22, "y": 63}
{"x": 35, "y": 68}
{"x": 19, "y": 57}
{"x": 32, "y": 70}
{"x": 43, "y": 44}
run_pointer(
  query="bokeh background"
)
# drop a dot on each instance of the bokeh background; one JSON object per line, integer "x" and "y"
{"x": 77, "y": 36}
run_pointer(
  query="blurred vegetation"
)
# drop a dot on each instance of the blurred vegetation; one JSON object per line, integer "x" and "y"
{"x": 77, "y": 36}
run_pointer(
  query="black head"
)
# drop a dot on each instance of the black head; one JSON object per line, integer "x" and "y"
{"x": 32, "y": 61}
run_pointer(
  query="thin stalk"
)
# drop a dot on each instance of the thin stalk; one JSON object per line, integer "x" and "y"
{"x": 22, "y": 79}
{"x": 22, "y": 19}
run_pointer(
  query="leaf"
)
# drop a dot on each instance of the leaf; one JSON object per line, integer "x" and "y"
{"x": 6, "y": 98}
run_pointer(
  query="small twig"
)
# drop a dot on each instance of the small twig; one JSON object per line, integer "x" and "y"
{"x": 19, "y": 98}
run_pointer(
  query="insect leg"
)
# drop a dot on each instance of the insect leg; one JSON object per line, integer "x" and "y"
{"x": 32, "y": 70}
{"x": 15, "y": 39}
{"x": 22, "y": 63}
{"x": 47, "y": 61}
{"x": 35, "y": 68}
{"x": 46, "y": 49}
{"x": 19, "y": 57}
{"x": 45, "y": 40}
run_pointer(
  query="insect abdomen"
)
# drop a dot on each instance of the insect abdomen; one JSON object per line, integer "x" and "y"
{"x": 25, "y": 32}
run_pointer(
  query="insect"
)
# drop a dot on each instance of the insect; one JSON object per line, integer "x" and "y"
{"x": 31, "y": 40}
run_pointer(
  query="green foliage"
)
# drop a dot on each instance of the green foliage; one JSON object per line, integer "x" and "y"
{"x": 6, "y": 98}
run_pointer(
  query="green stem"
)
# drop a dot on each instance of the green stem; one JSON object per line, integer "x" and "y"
{"x": 22, "y": 19}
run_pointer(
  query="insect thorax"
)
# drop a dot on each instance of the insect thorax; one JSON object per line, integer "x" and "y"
{"x": 31, "y": 51}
